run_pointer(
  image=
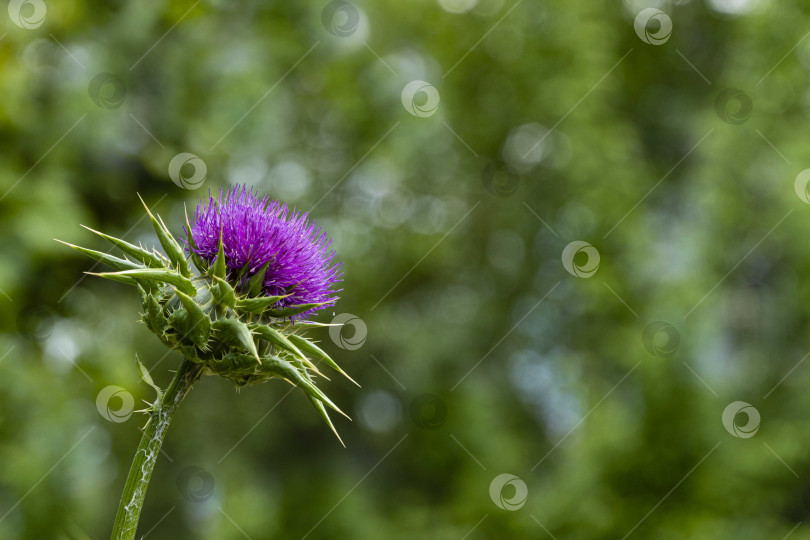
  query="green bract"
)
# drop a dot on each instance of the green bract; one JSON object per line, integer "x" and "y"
{"x": 231, "y": 330}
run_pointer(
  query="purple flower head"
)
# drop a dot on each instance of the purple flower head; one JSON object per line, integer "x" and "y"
{"x": 257, "y": 230}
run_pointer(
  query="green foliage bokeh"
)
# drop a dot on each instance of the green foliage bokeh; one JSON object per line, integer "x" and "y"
{"x": 695, "y": 218}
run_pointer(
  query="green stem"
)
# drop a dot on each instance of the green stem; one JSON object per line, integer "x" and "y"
{"x": 129, "y": 509}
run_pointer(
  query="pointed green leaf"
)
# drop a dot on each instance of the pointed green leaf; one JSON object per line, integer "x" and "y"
{"x": 106, "y": 258}
{"x": 115, "y": 276}
{"x": 149, "y": 259}
{"x": 285, "y": 369}
{"x": 235, "y": 332}
{"x": 147, "y": 378}
{"x": 319, "y": 405}
{"x": 143, "y": 294}
{"x": 153, "y": 313}
{"x": 218, "y": 268}
{"x": 192, "y": 306}
{"x": 310, "y": 348}
{"x": 196, "y": 259}
{"x": 257, "y": 305}
{"x": 289, "y": 311}
{"x": 178, "y": 255}
{"x": 240, "y": 276}
{"x": 181, "y": 321}
{"x": 256, "y": 282}
{"x": 235, "y": 362}
{"x": 149, "y": 274}
{"x": 192, "y": 323}
{"x": 170, "y": 245}
{"x": 323, "y": 414}
{"x": 313, "y": 324}
{"x": 276, "y": 338}
{"x": 223, "y": 292}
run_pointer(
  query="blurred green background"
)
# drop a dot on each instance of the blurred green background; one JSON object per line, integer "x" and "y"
{"x": 674, "y": 152}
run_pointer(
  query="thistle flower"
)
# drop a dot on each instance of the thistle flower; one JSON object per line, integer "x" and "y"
{"x": 260, "y": 271}
{"x": 259, "y": 234}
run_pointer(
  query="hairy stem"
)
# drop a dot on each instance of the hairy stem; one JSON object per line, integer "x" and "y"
{"x": 129, "y": 509}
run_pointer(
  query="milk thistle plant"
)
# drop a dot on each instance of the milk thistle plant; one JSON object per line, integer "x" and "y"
{"x": 235, "y": 302}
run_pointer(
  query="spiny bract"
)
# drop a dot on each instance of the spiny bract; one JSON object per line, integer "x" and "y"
{"x": 258, "y": 272}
